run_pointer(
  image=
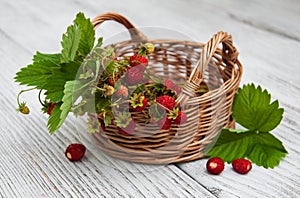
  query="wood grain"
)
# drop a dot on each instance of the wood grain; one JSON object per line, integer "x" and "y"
{"x": 32, "y": 163}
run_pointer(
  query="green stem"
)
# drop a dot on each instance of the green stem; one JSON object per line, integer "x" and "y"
{"x": 43, "y": 104}
{"x": 22, "y": 91}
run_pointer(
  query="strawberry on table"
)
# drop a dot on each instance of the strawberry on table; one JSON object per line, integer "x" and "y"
{"x": 242, "y": 166}
{"x": 215, "y": 165}
{"x": 75, "y": 152}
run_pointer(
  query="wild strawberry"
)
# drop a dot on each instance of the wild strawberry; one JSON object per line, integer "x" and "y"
{"x": 165, "y": 123}
{"x": 75, "y": 152}
{"x": 138, "y": 102}
{"x": 122, "y": 92}
{"x": 166, "y": 101}
{"x": 137, "y": 59}
{"x": 108, "y": 90}
{"x": 242, "y": 166}
{"x": 170, "y": 85}
{"x": 215, "y": 165}
{"x": 23, "y": 108}
{"x": 111, "y": 82}
{"x": 133, "y": 76}
{"x": 51, "y": 107}
{"x": 128, "y": 130}
{"x": 181, "y": 118}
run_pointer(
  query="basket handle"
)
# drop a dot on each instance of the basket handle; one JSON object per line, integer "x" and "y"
{"x": 135, "y": 34}
{"x": 229, "y": 56}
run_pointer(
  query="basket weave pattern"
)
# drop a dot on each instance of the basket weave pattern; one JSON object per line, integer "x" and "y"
{"x": 184, "y": 62}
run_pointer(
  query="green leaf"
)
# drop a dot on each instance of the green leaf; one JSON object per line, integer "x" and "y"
{"x": 262, "y": 149}
{"x": 54, "y": 119}
{"x": 87, "y": 38}
{"x": 71, "y": 92}
{"x": 253, "y": 110}
{"x": 70, "y": 43}
{"x": 47, "y": 57}
{"x": 56, "y": 82}
{"x": 36, "y": 74}
{"x": 231, "y": 145}
{"x": 267, "y": 151}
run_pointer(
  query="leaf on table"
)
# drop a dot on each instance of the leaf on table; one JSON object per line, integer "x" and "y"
{"x": 267, "y": 151}
{"x": 231, "y": 145}
{"x": 252, "y": 108}
{"x": 262, "y": 149}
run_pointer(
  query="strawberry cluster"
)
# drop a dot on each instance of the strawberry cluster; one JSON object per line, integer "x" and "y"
{"x": 130, "y": 89}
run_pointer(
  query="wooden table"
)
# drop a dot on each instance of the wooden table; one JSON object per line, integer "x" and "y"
{"x": 32, "y": 163}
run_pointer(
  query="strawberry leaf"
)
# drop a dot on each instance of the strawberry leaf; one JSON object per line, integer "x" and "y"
{"x": 87, "y": 33}
{"x": 56, "y": 82}
{"x": 36, "y": 74}
{"x": 70, "y": 43}
{"x": 231, "y": 145}
{"x": 47, "y": 57}
{"x": 253, "y": 110}
{"x": 54, "y": 119}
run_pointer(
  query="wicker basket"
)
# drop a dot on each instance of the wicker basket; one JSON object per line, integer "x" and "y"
{"x": 193, "y": 63}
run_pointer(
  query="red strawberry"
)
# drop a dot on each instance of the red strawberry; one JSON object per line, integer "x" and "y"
{"x": 102, "y": 125}
{"x": 166, "y": 101}
{"x": 122, "y": 92}
{"x": 242, "y": 166}
{"x": 170, "y": 85}
{"x": 140, "y": 107}
{"x": 51, "y": 107}
{"x": 111, "y": 82}
{"x": 165, "y": 123}
{"x": 75, "y": 152}
{"x": 215, "y": 165}
{"x": 128, "y": 130}
{"x": 181, "y": 118}
{"x": 137, "y": 59}
{"x": 133, "y": 76}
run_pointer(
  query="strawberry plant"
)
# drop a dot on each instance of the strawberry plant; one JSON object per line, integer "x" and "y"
{"x": 86, "y": 78}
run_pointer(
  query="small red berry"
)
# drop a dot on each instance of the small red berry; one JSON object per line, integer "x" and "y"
{"x": 122, "y": 92}
{"x": 142, "y": 106}
{"x": 181, "y": 118}
{"x": 137, "y": 59}
{"x": 51, "y": 107}
{"x": 166, "y": 101}
{"x": 134, "y": 76}
{"x": 215, "y": 165}
{"x": 242, "y": 166}
{"x": 128, "y": 130}
{"x": 164, "y": 123}
{"x": 75, "y": 152}
{"x": 170, "y": 85}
